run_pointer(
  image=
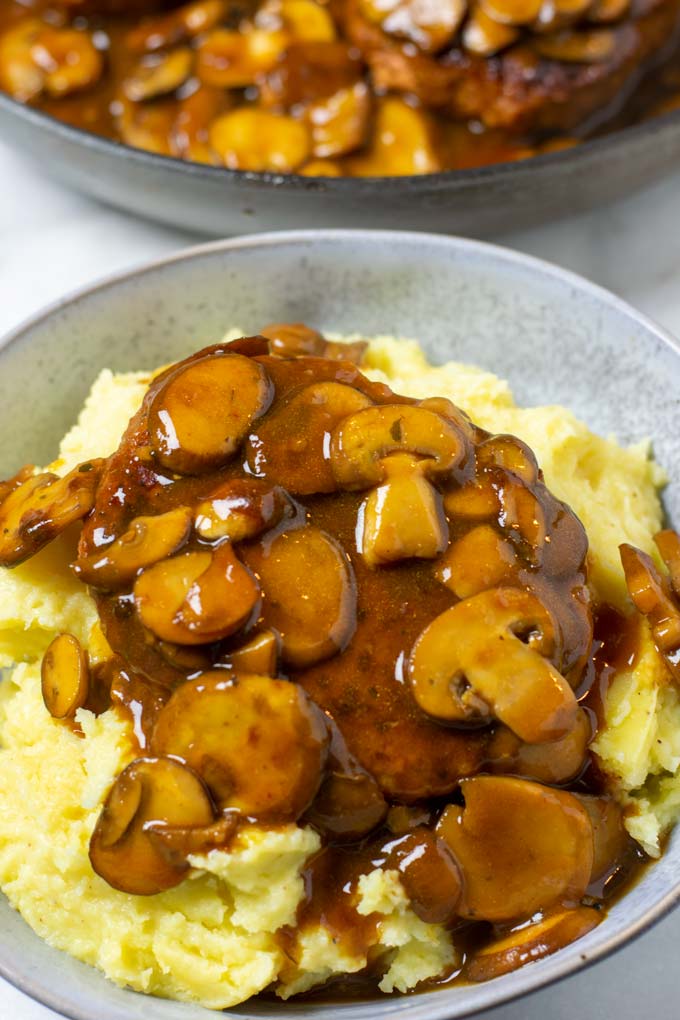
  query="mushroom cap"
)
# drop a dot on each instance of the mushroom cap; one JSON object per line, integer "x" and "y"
{"x": 470, "y": 665}
{"x": 363, "y": 442}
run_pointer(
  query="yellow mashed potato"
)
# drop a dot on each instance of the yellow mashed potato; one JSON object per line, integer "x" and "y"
{"x": 211, "y": 940}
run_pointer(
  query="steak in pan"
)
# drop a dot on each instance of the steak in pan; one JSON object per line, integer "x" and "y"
{"x": 534, "y": 78}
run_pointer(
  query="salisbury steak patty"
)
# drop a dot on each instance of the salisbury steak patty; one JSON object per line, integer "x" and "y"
{"x": 526, "y": 88}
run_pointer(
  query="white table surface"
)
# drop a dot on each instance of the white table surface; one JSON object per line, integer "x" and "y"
{"x": 52, "y": 241}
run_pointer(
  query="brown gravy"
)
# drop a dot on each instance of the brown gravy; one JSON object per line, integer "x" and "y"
{"x": 454, "y": 144}
{"x": 298, "y": 486}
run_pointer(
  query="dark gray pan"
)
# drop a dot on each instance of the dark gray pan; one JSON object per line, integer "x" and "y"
{"x": 220, "y": 202}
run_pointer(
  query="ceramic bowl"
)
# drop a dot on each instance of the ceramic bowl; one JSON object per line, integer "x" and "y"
{"x": 478, "y": 202}
{"x": 555, "y": 337}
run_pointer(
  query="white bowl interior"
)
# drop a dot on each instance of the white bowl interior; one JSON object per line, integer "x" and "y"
{"x": 555, "y": 337}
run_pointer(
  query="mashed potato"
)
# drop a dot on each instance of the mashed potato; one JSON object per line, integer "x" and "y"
{"x": 212, "y": 940}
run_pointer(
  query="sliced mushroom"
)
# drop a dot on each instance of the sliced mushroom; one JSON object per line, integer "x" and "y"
{"x": 178, "y": 26}
{"x": 342, "y": 350}
{"x": 521, "y": 847}
{"x": 556, "y": 762}
{"x": 20, "y": 76}
{"x": 158, "y": 74}
{"x": 42, "y": 507}
{"x": 146, "y": 541}
{"x": 258, "y": 140}
{"x": 476, "y": 500}
{"x": 202, "y": 413}
{"x": 150, "y": 791}
{"x": 260, "y": 744}
{"x": 348, "y": 806}
{"x": 481, "y": 559}
{"x": 668, "y": 544}
{"x": 65, "y": 676}
{"x": 146, "y": 125}
{"x": 235, "y": 59}
{"x": 402, "y": 519}
{"x": 428, "y": 873}
{"x": 469, "y": 666}
{"x": 340, "y": 122}
{"x": 309, "y": 593}
{"x": 647, "y": 588}
{"x": 486, "y": 37}
{"x": 240, "y": 509}
{"x": 177, "y": 843}
{"x": 68, "y": 60}
{"x": 586, "y": 47}
{"x": 447, "y": 409}
{"x": 362, "y": 444}
{"x": 398, "y": 447}
{"x": 430, "y": 25}
{"x": 290, "y": 447}
{"x": 186, "y": 658}
{"x": 260, "y": 655}
{"x": 509, "y": 453}
{"x": 349, "y": 803}
{"x": 652, "y": 597}
{"x": 571, "y": 610}
{"x": 307, "y": 20}
{"x": 23, "y": 475}
{"x": 123, "y": 803}
{"x": 294, "y": 340}
{"x": 565, "y": 543}
{"x": 196, "y": 598}
{"x": 512, "y": 12}
{"x": 523, "y": 519}
{"x": 611, "y": 842}
{"x": 531, "y": 942}
{"x": 402, "y": 142}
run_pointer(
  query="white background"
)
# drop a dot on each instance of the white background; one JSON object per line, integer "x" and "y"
{"x": 52, "y": 241}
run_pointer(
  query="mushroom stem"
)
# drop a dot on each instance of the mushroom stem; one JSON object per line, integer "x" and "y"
{"x": 403, "y": 518}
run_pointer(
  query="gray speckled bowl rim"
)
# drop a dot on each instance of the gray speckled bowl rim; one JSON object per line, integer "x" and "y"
{"x": 604, "y": 145}
{"x": 556, "y": 967}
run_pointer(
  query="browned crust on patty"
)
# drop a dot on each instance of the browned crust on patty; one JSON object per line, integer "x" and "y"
{"x": 517, "y": 90}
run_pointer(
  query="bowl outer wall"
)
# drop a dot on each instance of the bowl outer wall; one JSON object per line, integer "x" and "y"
{"x": 557, "y": 338}
{"x": 477, "y": 202}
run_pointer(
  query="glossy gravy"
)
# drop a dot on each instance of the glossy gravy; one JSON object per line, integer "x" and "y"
{"x": 267, "y": 636}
